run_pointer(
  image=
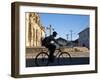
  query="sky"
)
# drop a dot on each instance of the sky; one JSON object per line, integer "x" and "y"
{"x": 65, "y": 23}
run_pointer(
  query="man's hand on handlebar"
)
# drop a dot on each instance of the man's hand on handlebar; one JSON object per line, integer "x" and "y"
{"x": 60, "y": 45}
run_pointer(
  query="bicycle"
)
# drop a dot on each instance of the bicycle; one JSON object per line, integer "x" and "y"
{"x": 42, "y": 59}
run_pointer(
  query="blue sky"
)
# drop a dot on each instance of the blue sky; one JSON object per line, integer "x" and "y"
{"x": 64, "y": 23}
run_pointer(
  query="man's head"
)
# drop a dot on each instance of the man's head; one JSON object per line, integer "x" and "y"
{"x": 54, "y": 34}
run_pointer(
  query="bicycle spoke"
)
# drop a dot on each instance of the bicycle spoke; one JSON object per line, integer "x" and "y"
{"x": 41, "y": 59}
{"x": 64, "y": 58}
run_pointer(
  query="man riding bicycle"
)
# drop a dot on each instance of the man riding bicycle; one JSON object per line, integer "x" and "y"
{"x": 47, "y": 42}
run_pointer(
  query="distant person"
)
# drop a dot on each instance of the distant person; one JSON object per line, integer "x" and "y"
{"x": 47, "y": 42}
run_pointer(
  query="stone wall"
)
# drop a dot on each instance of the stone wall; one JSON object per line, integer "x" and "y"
{"x": 40, "y": 49}
{"x": 74, "y": 52}
{"x": 35, "y": 50}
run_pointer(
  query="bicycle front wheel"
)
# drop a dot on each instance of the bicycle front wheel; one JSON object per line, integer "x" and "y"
{"x": 64, "y": 58}
{"x": 42, "y": 59}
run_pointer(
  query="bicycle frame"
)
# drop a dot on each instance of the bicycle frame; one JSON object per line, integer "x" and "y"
{"x": 45, "y": 56}
{"x": 57, "y": 50}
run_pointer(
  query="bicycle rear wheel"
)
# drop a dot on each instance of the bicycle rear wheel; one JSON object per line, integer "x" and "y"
{"x": 64, "y": 58}
{"x": 42, "y": 59}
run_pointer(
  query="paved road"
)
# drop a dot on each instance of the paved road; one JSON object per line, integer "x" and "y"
{"x": 74, "y": 61}
{"x": 77, "y": 58}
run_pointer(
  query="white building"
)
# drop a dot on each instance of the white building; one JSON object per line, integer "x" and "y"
{"x": 61, "y": 41}
{"x": 84, "y": 38}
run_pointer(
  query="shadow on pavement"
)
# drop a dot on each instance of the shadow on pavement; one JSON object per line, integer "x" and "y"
{"x": 74, "y": 61}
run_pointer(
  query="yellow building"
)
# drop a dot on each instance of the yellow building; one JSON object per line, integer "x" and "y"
{"x": 34, "y": 30}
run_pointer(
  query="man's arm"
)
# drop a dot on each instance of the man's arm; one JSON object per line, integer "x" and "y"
{"x": 57, "y": 42}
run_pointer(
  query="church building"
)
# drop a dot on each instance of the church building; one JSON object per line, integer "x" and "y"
{"x": 34, "y": 30}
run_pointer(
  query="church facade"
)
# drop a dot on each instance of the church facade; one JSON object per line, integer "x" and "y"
{"x": 34, "y": 30}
